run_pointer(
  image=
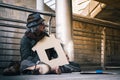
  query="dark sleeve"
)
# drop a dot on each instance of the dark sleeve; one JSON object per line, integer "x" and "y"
{"x": 25, "y": 48}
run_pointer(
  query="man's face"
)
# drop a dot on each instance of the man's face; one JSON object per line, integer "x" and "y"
{"x": 38, "y": 29}
{"x": 34, "y": 29}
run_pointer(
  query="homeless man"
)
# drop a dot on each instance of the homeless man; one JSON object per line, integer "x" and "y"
{"x": 36, "y": 30}
{"x": 30, "y": 62}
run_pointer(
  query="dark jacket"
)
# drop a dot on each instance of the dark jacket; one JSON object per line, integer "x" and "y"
{"x": 28, "y": 57}
{"x": 26, "y": 45}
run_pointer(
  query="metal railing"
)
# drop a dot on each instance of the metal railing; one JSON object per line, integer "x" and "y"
{"x": 26, "y": 9}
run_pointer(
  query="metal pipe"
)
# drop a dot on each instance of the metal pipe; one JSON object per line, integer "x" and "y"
{"x": 26, "y": 9}
{"x": 103, "y": 48}
{"x": 49, "y": 25}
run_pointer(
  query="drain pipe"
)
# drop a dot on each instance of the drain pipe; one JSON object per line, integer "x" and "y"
{"x": 64, "y": 26}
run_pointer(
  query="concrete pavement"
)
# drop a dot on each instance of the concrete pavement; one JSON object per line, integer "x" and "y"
{"x": 67, "y": 76}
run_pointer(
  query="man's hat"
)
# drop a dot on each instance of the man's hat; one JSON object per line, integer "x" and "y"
{"x": 34, "y": 20}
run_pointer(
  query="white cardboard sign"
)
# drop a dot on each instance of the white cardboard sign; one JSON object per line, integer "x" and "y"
{"x": 50, "y": 44}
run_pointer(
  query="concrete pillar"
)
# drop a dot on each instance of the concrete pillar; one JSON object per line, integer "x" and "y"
{"x": 64, "y": 26}
{"x": 40, "y": 5}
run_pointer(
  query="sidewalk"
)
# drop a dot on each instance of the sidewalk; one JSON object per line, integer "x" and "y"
{"x": 67, "y": 76}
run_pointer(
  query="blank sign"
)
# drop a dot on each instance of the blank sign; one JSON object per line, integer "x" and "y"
{"x": 50, "y": 51}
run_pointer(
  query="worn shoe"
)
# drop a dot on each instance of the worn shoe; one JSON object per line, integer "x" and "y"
{"x": 13, "y": 69}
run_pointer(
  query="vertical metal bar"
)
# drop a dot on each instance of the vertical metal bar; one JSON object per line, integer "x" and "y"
{"x": 49, "y": 25}
{"x": 103, "y": 48}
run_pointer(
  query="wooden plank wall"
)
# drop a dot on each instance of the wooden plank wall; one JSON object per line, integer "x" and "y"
{"x": 10, "y": 42}
{"x": 88, "y": 39}
{"x": 112, "y": 47}
{"x": 87, "y": 43}
{"x": 11, "y": 34}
